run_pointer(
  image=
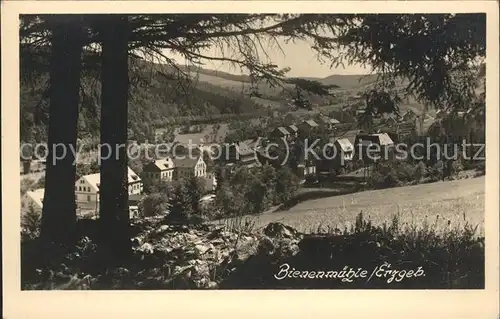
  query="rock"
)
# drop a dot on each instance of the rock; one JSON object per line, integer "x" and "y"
{"x": 280, "y": 230}
{"x": 201, "y": 249}
{"x": 265, "y": 246}
{"x": 136, "y": 242}
{"x": 147, "y": 248}
{"x": 163, "y": 228}
{"x": 288, "y": 247}
{"x": 216, "y": 233}
{"x": 248, "y": 238}
{"x": 189, "y": 237}
{"x": 202, "y": 270}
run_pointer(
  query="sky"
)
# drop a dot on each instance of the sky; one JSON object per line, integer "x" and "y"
{"x": 298, "y": 56}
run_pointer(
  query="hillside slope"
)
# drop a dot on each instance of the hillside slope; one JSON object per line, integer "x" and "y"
{"x": 451, "y": 200}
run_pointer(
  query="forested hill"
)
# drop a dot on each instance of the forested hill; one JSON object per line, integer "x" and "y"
{"x": 154, "y": 100}
{"x": 157, "y": 97}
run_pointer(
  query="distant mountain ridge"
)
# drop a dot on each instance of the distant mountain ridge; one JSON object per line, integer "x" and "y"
{"x": 345, "y": 81}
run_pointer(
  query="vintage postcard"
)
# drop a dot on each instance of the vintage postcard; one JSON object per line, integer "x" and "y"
{"x": 288, "y": 155}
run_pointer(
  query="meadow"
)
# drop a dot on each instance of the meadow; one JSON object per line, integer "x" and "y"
{"x": 443, "y": 205}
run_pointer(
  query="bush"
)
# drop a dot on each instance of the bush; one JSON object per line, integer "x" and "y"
{"x": 448, "y": 259}
{"x": 384, "y": 175}
{"x": 30, "y": 224}
{"x": 420, "y": 171}
{"x": 153, "y": 204}
{"x": 253, "y": 191}
{"x": 185, "y": 207}
{"x": 481, "y": 167}
{"x": 236, "y": 256}
{"x": 435, "y": 172}
{"x": 287, "y": 185}
{"x": 398, "y": 173}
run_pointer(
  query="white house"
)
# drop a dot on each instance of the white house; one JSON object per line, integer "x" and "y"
{"x": 87, "y": 189}
{"x": 32, "y": 199}
{"x": 162, "y": 169}
{"x": 187, "y": 167}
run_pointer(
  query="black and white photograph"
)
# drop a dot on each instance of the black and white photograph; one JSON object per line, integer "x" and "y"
{"x": 252, "y": 151}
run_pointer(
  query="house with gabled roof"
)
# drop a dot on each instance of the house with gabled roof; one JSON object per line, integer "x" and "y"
{"x": 307, "y": 127}
{"x": 293, "y": 129}
{"x": 374, "y": 147}
{"x": 252, "y": 143}
{"x": 306, "y": 167}
{"x": 345, "y": 149}
{"x": 241, "y": 153}
{"x": 162, "y": 169}
{"x": 189, "y": 166}
{"x": 336, "y": 155}
{"x": 280, "y": 132}
{"x": 32, "y": 200}
{"x": 327, "y": 123}
{"x": 87, "y": 189}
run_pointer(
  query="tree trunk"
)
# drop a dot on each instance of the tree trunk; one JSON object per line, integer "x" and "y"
{"x": 114, "y": 215}
{"x": 59, "y": 208}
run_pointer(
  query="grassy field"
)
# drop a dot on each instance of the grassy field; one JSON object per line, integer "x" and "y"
{"x": 454, "y": 201}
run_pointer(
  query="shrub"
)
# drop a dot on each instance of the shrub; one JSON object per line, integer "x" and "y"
{"x": 405, "y": 171}
{"x": 481, "y": 167}
{"x": 253, "y": 191}
{"x": 420, "y": 171}
{"x": 185, "y": 201}
{"x": 447, "y": 259}
{"x": 435, "y": 171}
{"x": 450, "y": 258}
{"x": 30, "y": 224}
{"x": 287, "y": 185}
{"x": 383, "y": 176}
{"x": 153, "y": 204}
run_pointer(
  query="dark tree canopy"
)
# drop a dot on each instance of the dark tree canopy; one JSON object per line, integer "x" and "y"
{"x": 438, "y": 54}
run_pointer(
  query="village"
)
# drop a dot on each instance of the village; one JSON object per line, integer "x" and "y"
{"x": 251, "y": 154}
{"x": 220, "y": 151}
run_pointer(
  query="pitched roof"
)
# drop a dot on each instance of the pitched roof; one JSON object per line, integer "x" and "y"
{"x": 345, "y": 144}
{"x": 251, "y": 143}
{"x": 292, "y": 128}
{"x": 384, "y": 139}
{"x": 282, "y": 130}
{"x": 243, "y": 149}
{"x": 37, "y": 196}
{"x": 132, "y": 176}
{"x": 328, "y": 120}
{"x": 350, "y": 136}
{"x": 163, "y": 164}
{"x": 186, "y": 161}
{"x": 333, "y": 121}
{"x": 311, "y": 123}
{"x": 94, "y": 180}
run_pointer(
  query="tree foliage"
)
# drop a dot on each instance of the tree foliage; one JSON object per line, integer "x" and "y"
{"x": 185, "y": 200}
{"x": 437, "y": 55}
